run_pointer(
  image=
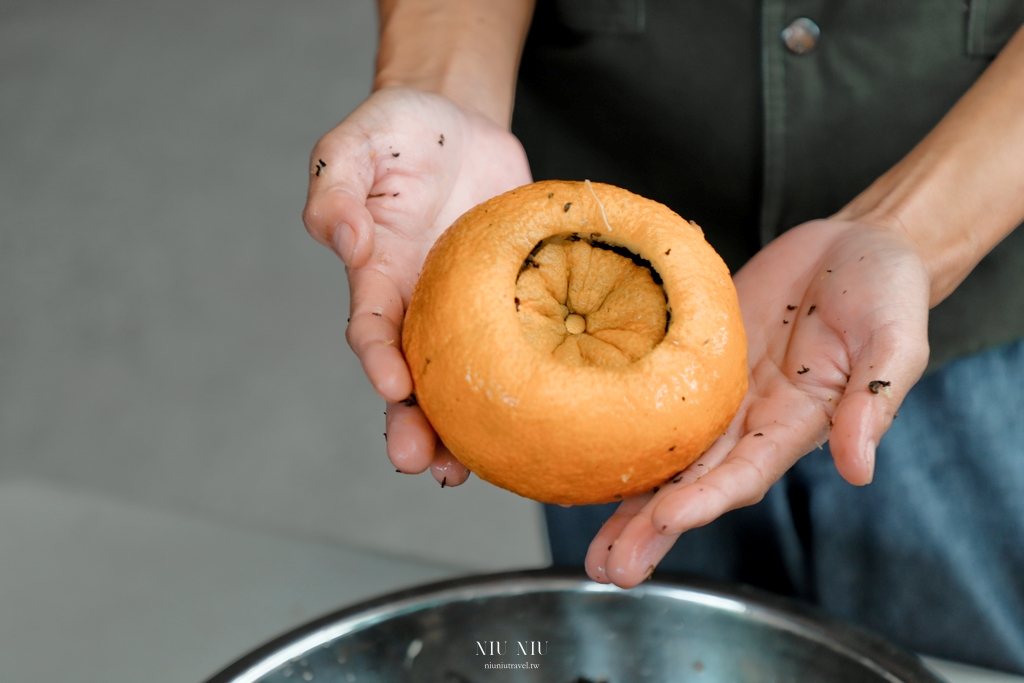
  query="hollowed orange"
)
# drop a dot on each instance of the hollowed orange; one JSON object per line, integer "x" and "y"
{"x": 575, "y": 343}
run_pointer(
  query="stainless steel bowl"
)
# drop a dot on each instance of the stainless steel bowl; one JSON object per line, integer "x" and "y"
{"x": 549, "y": 626}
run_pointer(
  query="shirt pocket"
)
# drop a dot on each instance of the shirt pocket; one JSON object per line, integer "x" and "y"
{"x": 603, "y": 16}
{"x": 991, "y": 24}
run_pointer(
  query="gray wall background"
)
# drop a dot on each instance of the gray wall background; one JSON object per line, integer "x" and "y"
{"x": 169, "y": 334}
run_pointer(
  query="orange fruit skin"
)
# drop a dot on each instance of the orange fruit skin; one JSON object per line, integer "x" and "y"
{"x": 552, "y": 432}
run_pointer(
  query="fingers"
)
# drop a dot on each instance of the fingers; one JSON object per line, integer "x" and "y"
{"x": 883, "y": 373}
{"x": 627, "y": 548}
{"x": 413, "y": 446}
{"x": 411, "y": 439}
{"x": 446, "y": 469}
{"x": 735, "y": 483}
{"x": 374, "y": 332}
{"x": 735, "y": 472}
{"x": 632, "y": 543}
{"x": 335, "y": 215}
{"x": 601, "y": 546}
{"x": 780, "y": 428}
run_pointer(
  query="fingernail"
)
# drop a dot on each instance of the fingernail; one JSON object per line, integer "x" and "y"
{"x": 869, "y": 460}
{"x": 344, "y": 241}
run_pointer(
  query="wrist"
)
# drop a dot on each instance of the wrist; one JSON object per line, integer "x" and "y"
{"x": 466, "y": 50}
{"x": 960, "y": 191}
{"x": 911, "y": 202}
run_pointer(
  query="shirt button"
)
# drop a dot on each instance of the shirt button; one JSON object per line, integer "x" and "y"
{"x": 801, "y": 36}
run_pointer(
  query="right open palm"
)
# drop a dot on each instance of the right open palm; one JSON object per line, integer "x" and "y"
{"x": 384, "y": 184}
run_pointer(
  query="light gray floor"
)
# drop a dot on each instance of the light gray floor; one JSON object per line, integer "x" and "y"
{"x": 169, "y": 334}
{"x": 100, "y": 591}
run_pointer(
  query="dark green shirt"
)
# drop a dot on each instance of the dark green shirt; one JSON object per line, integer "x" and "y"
{"x": 700, "y": 105}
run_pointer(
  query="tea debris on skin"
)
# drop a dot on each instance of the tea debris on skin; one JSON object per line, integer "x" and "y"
{"x": 878, "y": 385}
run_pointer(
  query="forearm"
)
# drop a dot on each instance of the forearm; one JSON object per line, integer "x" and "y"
{"x": 467, "y": 50}
{"x": 961, "y": 190}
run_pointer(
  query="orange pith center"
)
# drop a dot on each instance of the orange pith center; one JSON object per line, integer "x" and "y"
{"x": 588, "y": 305}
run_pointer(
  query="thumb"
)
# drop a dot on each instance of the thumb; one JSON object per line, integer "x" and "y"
{"x": 882, "y": 373}
{"x": 341, "y": 176}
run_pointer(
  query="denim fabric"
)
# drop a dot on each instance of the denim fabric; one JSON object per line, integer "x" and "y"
{"x": 930, "y": 555}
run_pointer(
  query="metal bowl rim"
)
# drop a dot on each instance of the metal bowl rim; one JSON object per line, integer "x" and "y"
{"x": 868, "y": 650}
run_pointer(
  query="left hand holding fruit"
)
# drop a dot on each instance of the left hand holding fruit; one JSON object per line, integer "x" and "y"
{"x": 901, "y": 246}
{"x": 382, "y": 186}
{"x": 836, "y": 315}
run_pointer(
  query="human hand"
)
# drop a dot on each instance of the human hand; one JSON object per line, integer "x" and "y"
{"x": 384, "y": 184}
{"x": 836, "y": 315}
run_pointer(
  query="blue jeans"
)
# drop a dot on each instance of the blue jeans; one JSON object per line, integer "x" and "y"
{"x": 930, "y": 555}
